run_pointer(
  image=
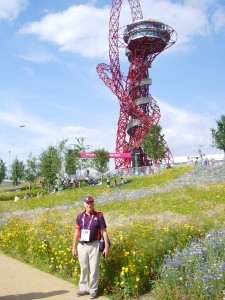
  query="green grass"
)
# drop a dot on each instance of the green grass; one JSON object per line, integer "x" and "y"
{"x": 73, "y": 195}
{"x": 142, "y": 231}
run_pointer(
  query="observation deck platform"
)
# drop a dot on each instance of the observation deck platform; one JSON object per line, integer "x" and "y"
{"x": 148, "y": 35}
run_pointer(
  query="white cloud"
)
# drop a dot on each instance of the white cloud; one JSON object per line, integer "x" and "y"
{"x": 10, "y": 9}
{"x": 185, "y": 131}
{"x": 83, "y": 29}
{"x": 218, "y": 19}
{"x": 36, "y": 56}
{"x": 200, "y": 3}
{"x": 80, "y": 29}
{"x": 187, "y": 20}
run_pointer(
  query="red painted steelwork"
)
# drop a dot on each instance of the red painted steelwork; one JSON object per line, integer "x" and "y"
{"x": 143, "y": 41}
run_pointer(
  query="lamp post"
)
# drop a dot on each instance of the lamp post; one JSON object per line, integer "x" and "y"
{"x": 80, "y": 171}
{"x": 85, "y": 148}
{"x": 137, "y": 161}
{"x": 200, "y": 151}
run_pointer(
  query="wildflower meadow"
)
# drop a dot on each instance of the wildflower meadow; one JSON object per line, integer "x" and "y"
{"x": 168, "y": 243}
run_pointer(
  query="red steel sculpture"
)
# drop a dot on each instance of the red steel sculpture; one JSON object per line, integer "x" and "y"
{"x": 142, "y": 40}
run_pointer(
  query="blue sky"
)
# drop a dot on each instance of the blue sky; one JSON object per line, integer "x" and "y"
{"x": 48, "y": 56}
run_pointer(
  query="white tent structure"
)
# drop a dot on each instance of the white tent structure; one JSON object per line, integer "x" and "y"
{"x": 192, "y": 159}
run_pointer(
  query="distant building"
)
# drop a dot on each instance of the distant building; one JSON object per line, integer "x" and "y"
{"x": 196, "y": 159}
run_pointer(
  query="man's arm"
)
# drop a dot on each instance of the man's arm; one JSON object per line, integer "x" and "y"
{"x": 75, "y": 241}
{"x": 105, "y": 235}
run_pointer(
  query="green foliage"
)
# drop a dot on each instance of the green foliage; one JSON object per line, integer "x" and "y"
{"x": 154, "y": 143}
{"x": 218, "y": 135}
{"x": 71, "y": 162}
{"x": 17, "y": 171}
{"x": 101, "y": 160}
{"x": 50, "y": 164}
{"x": 2, "y": 170}
{"x": 31, "y": 169}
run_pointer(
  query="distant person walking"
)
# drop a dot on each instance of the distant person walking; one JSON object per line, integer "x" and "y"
{"x": 115, "y": 183}
{"x": 90, "y": 225}
{"x": 108, "y": 182}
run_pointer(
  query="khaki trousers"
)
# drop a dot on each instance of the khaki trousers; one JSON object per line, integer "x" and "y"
{"x": 89, "y": 258}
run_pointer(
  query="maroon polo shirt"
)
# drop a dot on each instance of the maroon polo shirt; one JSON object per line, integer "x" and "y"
{"x": 95, "y": 222}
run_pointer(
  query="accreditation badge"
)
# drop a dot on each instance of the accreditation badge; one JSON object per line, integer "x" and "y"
{"x": 85, "y": 235}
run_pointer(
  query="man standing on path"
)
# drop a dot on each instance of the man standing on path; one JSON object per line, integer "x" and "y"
{"x": 90, "y": 224}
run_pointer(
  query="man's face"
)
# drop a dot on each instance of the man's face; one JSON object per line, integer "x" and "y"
{"x": 89, "y": 207}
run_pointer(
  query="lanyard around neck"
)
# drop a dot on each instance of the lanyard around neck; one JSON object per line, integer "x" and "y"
{"x": 89, "y": 225}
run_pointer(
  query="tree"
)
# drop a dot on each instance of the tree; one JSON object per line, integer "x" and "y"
{"x": 154, "y": 144}
{"x": 31, "y": 169}
{"x": 101, "y": 160}
{"x": 2, "y": 170}
{"x": 73, "y": 161}
{"x": 17, "y": 171}
{"x": 83, "y": 163}
{"x": 50, "y": 164}
{"x": 218, "y": 135}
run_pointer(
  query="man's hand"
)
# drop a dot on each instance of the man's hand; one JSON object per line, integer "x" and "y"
{"x": 106, "y": 251}
{"x": 74, "y": 251}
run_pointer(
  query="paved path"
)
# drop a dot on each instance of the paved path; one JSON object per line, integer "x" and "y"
{"x": 19, "y": 281}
